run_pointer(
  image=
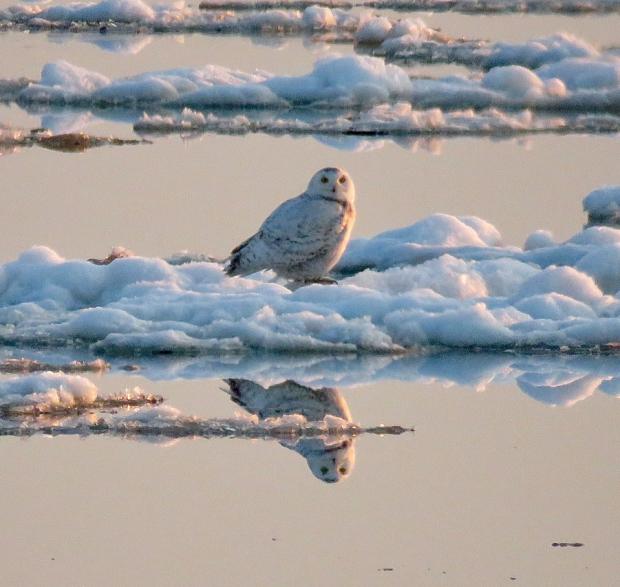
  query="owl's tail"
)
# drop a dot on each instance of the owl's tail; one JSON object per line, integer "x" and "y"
{"x": 232, "y": 265}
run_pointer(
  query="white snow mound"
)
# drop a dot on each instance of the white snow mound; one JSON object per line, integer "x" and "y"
{"x": 443, "y": 281}
{"x": 579, "y": 84}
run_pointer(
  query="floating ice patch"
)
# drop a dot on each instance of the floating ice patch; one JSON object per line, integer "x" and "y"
{"x": 455, "y": 286}
{"x": 580, "y": 84}
{"x": 334, "y": 82}
{"x": 52, "y": 403}
{"x": 24, "y": 365}
{"x": 135, "y": 16}
{"x": 270, "y": 4}
{"x": 12, "y": 139}
{"x": 402, "y": 39}
{"x": 413, "y": 40}
{"x": 461, "y": 237}
{"x": 58, "y": 393}
{"x": 47, "y": 391}
{"x": 603, "y": 206}
{"x": 500, "y": 6}
{"x": 538, "y": 52}
{"x": 466, "y": 6}
{"x": 382, "y": 120}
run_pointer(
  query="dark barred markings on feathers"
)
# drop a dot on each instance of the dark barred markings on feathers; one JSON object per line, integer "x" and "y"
{"x": 305, "y": 236}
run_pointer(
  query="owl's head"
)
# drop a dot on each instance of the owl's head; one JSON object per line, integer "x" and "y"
{"x": 333, "y": 183}
{"x": 329, "y": 462}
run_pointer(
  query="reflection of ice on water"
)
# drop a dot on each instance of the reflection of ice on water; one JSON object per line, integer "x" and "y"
{"x": 316, "y": 423}
{"x": 330, "y": 459}
{"x": 124, "y": 44}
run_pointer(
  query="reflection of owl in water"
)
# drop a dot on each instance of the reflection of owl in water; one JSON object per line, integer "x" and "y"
{"x": 330, "y": 459}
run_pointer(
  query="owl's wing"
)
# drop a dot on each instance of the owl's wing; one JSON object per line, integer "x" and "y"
{"x": 295, "y": 231}
{"x": 288, "y": 398}
{"x": 247, "y": 394}
{"x": 242, "y": 245}
{"x": 300, "y": 225}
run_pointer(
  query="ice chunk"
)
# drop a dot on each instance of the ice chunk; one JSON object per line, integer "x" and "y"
{"x": 603, "y": 205}
{"x": 515, "y": 81}
{"x": 119, "y": 10}
{"x": 47, "y": 391}
{"x": 344, "y": 82}
{"x": 373, "y": 30}
{"x": 501, "y": 6}
{"x": 446, "y": 230}
{"x": 584, "y": 73}
{"x": 603, "y": 265}
{"x": 457, "y": 286}
{"x": 538, "y": 52}
{"x": 563, "y": 280}
{"x": 318, "y": 18}
{"x": 539, "y": 239}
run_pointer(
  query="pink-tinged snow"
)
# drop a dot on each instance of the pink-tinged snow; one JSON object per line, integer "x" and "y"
{"x": 573, "y": 83}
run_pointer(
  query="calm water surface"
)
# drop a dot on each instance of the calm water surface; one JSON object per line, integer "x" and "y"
{"x": 478, "y": 494}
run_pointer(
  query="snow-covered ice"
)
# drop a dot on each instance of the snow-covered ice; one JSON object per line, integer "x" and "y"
{"x": 56, "y": 393}
{"x": 444, "y": 281}
{"x": 313, "y": 423}
{"x": 540, "y": 51}
{"x": 571, "y": 7}
{"x": 603, "y": 206}
{"x": 136, "y": 16}
{"x": 334, "y": 81}
{"x": 381, "y": 120}
{"x": 577, "y": 84}
{"x": 270, "y": 4}
{"x": 47, "y": 391}
{"x": 394, "y": 39}
{"x": 13, "y": 139}
{"x": 467, "y": 6}
{"x": 413, "y": 40}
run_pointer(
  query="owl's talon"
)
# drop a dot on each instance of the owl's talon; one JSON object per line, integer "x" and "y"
{"x": 321, "y": 281}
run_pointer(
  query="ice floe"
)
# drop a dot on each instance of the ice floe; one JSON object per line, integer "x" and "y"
{"x": 270, "y": 4}
{"x": 135, "y": 16}
{"x": 467, "y": 238}
{"x": 12, "y": 139}
{"x": 392, "y": 39}
{"x": 314, "y": 423}
{"x": 399, "y": 119}
{"x": 572, "y": 7}
{"x": 467, "y": 6}
{"x": 399, "y": 44}
{"x": 51, "y": 393}
{"x": 574, "y": 84}
{"x": 603, "y": 206}
{"x": 445, "y": 281}
{"x": 25, "y": 365}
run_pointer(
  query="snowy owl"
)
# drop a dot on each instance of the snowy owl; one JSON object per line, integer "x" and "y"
{"x": 330, "y": 459}
{"x": 304, "y": 237}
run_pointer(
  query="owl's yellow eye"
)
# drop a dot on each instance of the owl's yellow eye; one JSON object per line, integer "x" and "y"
{"x": 324, "y": 179}
{"x": 342, "y": 179}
